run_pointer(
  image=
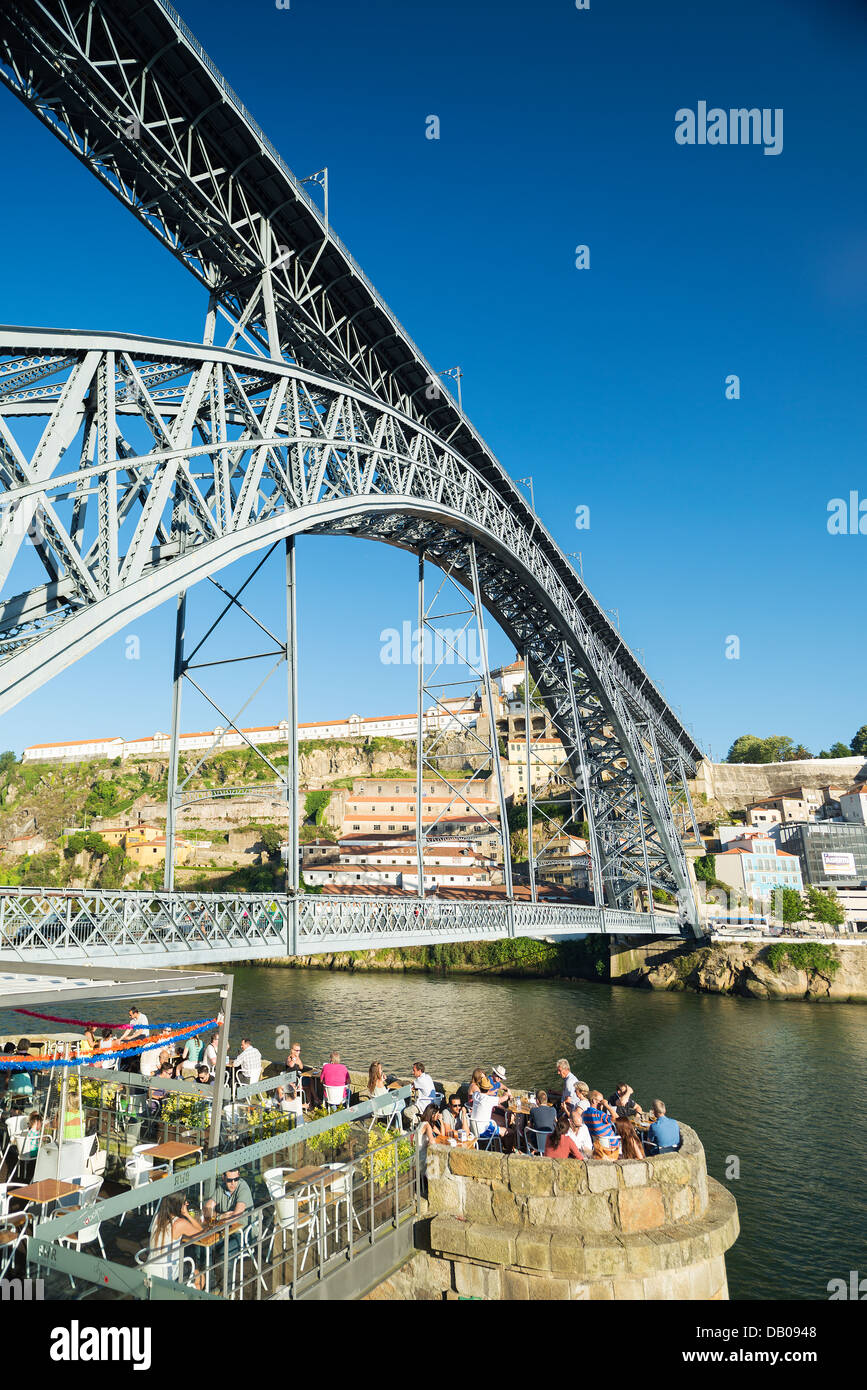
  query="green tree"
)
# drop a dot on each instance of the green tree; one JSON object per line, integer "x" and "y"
{"x": 272, "y": 840}
{"x": 8, "y": 760}
{"x": 825, "y": 907}
{"x": 776, "y": 748}
{"x": 115, "y": 867}
{"x": 705, "y": 868}
{"x": 102, "y": 798}
{"x": 859, "y": 742}
{"x": 799, "y": 753}
{"x": 789, "y": 903}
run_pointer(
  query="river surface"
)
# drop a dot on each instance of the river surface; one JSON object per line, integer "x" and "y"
{"x": 777, "y": 1086}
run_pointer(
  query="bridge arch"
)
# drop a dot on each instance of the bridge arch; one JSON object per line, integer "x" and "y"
{"x": 239, "y": 452}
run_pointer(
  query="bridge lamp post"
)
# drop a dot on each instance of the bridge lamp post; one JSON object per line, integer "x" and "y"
{"x": 320, "y": 178}
{"x": 577, "y": 555}
{"x": 456, "y": 374}
{"x": 528, "y": 483}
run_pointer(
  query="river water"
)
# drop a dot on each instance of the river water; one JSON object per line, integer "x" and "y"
{"x": 776, "y": 1086}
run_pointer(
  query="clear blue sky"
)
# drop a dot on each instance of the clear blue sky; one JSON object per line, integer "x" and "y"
{"x": 708, "y": 516}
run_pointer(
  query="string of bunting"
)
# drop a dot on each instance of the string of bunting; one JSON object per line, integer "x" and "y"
{"x": 91, "y": 1023}
{"x": 39, "y": 1063}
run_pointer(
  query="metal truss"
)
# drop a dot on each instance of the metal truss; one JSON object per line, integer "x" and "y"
{"x": 180, "y": 794}
{"x": 104, "y": 928}
{"x": 454, "y": 674}
{"x": 133, "y": 495}
{"x": 131, "y": 93}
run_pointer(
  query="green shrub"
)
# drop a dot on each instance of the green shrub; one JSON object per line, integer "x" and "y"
{"x": 809, "y": 956}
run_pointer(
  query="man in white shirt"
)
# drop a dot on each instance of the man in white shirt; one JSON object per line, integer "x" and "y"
{"x": 137, "y": 1028}
{"x": 425, "y": 1095}
{"x": 571, "y": 1083}
{"x": 248, "y": 1062}
{"x": 579, "y": 1133}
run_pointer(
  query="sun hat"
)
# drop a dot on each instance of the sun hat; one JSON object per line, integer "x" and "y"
{"x": 500, "y": 1072}
{"x": 484, "y": 1084}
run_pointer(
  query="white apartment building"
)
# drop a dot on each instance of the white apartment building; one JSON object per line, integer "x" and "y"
{"x": 446, "y": 715}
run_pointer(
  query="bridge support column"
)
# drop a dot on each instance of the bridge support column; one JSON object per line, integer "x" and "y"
{"x": 495, "y": 745}
{"x": 531, "y": 857}
{"x": 293, "y": 881}
{"x": 172, "y": 794}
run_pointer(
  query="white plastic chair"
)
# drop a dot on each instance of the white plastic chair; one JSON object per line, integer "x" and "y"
{"x": 335, "y": 1097}
{"x": 486, "y": 1141}
{"x": 7, "y": 1190}
{"x": 87, "y": 1233}
{"x": 16, "y": 1128}
{"x": 13, "y": 1233}
{"x": 167, "y": 1263}
{"x": 295, "y": 1216}
{"x": 341, "y": 1188}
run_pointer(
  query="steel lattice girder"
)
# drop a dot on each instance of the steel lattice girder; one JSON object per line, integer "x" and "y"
{"x": 127, "y": 88}
{"x": 107, "y": 928}
{"x": 135, "y": 494}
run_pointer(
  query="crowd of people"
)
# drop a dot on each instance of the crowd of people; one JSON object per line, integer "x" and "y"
{"x": 580, "y": 1123}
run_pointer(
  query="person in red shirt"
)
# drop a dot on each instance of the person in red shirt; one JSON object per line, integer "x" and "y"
{"x": 560, "y": 1143}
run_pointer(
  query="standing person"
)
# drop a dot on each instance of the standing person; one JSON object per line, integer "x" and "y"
{"x": 570, "y": 1084}
{"x": 210, "y": 1053}
{"x": 663, "y": 1137}
{"x": 138, "y": 1028}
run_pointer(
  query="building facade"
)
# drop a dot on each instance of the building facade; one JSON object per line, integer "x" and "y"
{"x": 832, "y": 854}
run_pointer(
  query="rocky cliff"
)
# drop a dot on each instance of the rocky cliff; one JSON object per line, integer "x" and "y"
{"x": 807, "y": 971}
{"x": 734, "y": 786}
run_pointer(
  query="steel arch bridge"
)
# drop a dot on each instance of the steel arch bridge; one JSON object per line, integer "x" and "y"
{"x": 130, "y": 469}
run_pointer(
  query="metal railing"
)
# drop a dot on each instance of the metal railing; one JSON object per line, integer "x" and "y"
{"x": 90, "y": 924}
{"x": 311, "y": 1225}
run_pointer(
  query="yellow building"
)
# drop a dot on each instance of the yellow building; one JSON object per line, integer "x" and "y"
{"x": 147, "y": 853}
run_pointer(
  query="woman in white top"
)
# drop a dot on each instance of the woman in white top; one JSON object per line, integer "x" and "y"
{"x": 376, "y": 1080}
{"x": 171, "y": 1225}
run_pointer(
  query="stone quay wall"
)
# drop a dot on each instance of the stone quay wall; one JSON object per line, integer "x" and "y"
{"x": 516, "y": 1227}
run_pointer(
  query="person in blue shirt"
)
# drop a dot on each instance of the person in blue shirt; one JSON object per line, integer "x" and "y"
{"x": 663, "y": 1137}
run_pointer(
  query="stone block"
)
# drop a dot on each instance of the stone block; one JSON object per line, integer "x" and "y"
{"x": 669, "y": 1168}
{"x": 470, "y": 1163}
{"x": 601, "y": 1175}
{"x": 495, "y": 1244}
{"x": 571, "y": 1176}
{"x": 633, "y": 1173}
{"x": 567, "y": 1255}
{"x": 640, "y": 1208}
{"x": 475, "y": 1281}
{"x": 436, "y": 1161}
{"x": 448, "y": 1234}
{"x": 629, "y": 1289}
{"x": 516, "y": 1286}
{"x": 642, "y": 1256}
{"x": 578, "y": 1291}
{"x": 477, "y": 1201}
{"x": 678, "y": 1203}
{"x": 532, "y": 1177}
{"x": 444, "y": 1195}
{"x": 600, "y": 1290}
{"x": 588, "y": 1213}
{"x": 508, "y": 1210}
{"x": 544, "y": 1288}
{"x": 604, "y": 1258}
{"x": 533, "y": 1249}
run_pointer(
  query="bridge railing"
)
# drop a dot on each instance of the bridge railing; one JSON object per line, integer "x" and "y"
{"x": 97, "y": 925}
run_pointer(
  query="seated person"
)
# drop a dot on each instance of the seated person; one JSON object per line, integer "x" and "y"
{"x": 376, "y": 1085}
{"x": 497, "y": 1078}
{"x": 231, "y": 1198}
{"x": 334, "y": 1073}
{"x": 630, "y": 1141}
{"x": 483, "y": 1103}
{"x": 623, "y": 1101}
{"x": 173, "y": 1224}
{"x": 453, "y": 1117}
{"x": 29, "y": 1148}
{"x": 580, "y": 1133}
{"x": 560, "y": 1143}
{"x": 663, "y": 1137}
{"x": 542, "y": 1115}
{"x": 597, "y": 1118}
{"x": 424, "y": 1095}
